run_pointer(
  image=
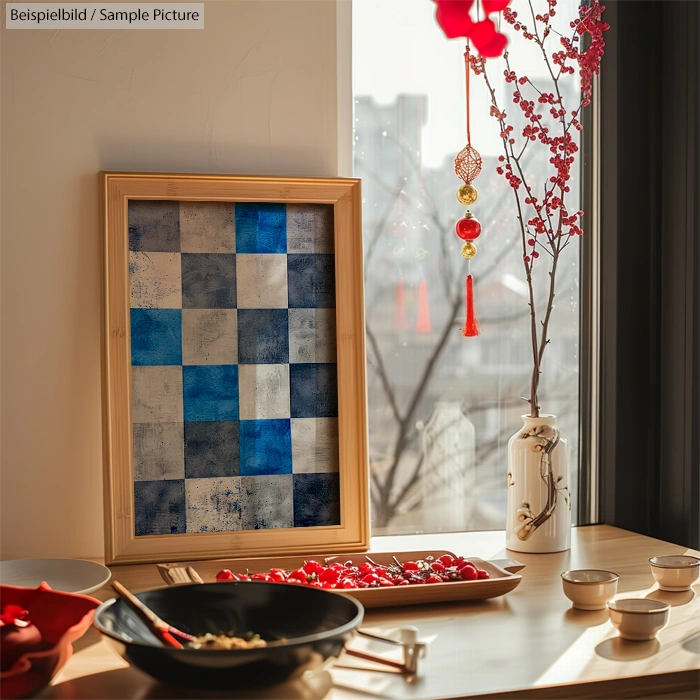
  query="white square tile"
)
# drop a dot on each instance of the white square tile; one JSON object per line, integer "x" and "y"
{"x": 263, "y": 391}
{"x": 213, "y": 505}
{"x": 209, "y": 337}
{"x": 315, "y": 445}
{"x": 312, "y": 335}
{"x": 159, "y": 451}
{"x": 207, "y": 227}
{"x": 310, "y": 228}
{"x": 156, "y": 280}
{"x": 261, "y": 281}
{"x": 156, "y": 394}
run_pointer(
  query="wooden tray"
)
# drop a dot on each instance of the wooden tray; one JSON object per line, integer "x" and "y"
{"x": 502, "y": 580}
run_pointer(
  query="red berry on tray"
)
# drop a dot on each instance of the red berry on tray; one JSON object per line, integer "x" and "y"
{"x": 299, "y": 576}
{"x": 277, "y": 576}
{"x": 446, "y": 560}
{"x": 411, "y": 566}
{"x": 225, "y": 575}
{"x": 433, "y": 578}
{"x": 483, "y": 574}
{"x": 469, "y": 573}
{"x": 370, "y": 578}
{"x": 312, "y": 567}
{"x": 437, "y": 566}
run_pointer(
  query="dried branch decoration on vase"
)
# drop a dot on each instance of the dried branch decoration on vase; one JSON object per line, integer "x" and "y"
{"x": 545, "y": 222}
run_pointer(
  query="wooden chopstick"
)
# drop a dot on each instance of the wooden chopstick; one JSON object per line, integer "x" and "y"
{"x": 159, "y": 627}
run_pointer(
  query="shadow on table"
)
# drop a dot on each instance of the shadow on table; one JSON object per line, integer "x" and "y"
{"x": 692, "y": 644}
{"x": 619, "y": 649}
{"x": 128, "y": 684}
{"x": 587, "y": 618}
{"x": 673, "y": 598}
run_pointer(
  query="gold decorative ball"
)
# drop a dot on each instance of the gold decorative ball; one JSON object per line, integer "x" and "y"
{"x": 468, "y": 250}
{"x": 467, "y": 194}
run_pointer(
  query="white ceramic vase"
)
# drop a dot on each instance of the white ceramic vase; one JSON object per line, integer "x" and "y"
{"x": 538, "y": 511}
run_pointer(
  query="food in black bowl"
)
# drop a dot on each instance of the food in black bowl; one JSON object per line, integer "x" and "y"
{"x": 304, "y": 628}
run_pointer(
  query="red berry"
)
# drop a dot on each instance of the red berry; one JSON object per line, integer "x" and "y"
{"x": 383, "y": 581}
{"x": 483, "y": 574}
{"x": 469, "y": 572}
{"x": 329, "y": 576}
{"x": 225, "y": 575}
{"x": 411, "y": 566}
{"x": 312, "y": 567}
{"x": 298, "y": 575}
{"x": 403, "y": 583}
{"x": 437, "y": 566}
{"x": 447, "y": 560}
{"x": 370, "y": 578}
{"x": 259, "y": 577}
{"x": 433, "y": 578}
{"x": 277, "y": 576}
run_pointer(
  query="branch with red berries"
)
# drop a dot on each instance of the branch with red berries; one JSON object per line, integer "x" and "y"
{"x": 545, "y": 220}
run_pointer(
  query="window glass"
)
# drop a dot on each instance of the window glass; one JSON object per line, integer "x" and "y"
{"x": 442, "y": 406}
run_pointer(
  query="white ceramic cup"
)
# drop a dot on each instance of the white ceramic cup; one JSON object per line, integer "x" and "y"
{"x": 638, "y": 619}
{"x": 589, "y": 589}
{"x": 675, "y": 573}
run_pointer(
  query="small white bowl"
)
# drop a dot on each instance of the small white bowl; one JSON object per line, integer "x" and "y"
{"x": 638, "y": 619}
{"x": 66, "y": 575}
{"x": 675, "y": 573}
{"x": 589, "y": 589}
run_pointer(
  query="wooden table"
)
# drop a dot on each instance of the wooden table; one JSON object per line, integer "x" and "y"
{"x": 529, "y": 643}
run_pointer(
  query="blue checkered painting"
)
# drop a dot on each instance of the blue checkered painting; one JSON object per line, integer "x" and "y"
{"x": 234, "y": 376}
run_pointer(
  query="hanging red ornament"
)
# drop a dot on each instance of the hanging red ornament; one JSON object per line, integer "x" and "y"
{"x": 468, "y": 228}
{"x": 471, "y": 325}
{"x": 423, "y": 319}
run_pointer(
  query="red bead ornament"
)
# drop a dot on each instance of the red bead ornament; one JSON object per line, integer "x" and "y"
{"x": 468, "y": 228}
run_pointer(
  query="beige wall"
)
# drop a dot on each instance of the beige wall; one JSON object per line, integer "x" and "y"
{"x": 254, "y": 92}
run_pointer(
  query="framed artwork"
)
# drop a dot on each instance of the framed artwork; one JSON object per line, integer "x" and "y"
{"x": 234, "y": 369}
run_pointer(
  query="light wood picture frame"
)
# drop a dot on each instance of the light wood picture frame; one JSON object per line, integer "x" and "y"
{"x": 216, "y": 442}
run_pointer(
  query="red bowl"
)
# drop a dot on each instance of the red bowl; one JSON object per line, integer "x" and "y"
{"x": 62, "y": 618}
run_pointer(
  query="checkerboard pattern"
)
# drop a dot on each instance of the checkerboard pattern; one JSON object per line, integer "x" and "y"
{"x": 234, "y": 376}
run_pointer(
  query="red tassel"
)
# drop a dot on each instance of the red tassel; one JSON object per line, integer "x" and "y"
{"x": 400, "y": 319}
{"x": 471, "y": 327}
{"x": 423, "y": 321}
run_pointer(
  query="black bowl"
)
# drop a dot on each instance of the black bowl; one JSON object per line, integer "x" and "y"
{"x": 314, "y": 623}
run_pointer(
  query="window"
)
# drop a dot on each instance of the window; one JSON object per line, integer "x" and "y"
{"x": 441, "y": 406}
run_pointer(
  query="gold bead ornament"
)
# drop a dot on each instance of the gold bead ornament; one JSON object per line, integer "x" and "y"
{"x": 467, "y": 194}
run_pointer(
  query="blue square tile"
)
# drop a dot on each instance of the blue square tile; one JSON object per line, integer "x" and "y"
{"x": 261, "y": 227}
{"x": 266, "y": 447}
{"x": 154, "y": 227}
{"x": 311, "y": 281}
{"x": 313, "y": 390}
{"x": 211, "y": 449}
{"x": 159, "y": 507}
{"x": 316, "y": 500}
{"x": 263, "y": 336}
{"x": 156, "y": 336}
{"x": 208, "y": 281}
{"x": 210, "y": 392}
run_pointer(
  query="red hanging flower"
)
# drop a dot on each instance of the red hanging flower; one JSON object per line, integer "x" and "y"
{"x": 455, "y": 21}
{"x": 487, "y": 40}
{"x": 494, "y": 5}
{"x": 14, "y": 615}
{"x": 453, "y": 17}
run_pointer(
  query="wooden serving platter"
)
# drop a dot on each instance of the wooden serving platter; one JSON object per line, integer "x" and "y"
{"x": 502, "y": 580}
